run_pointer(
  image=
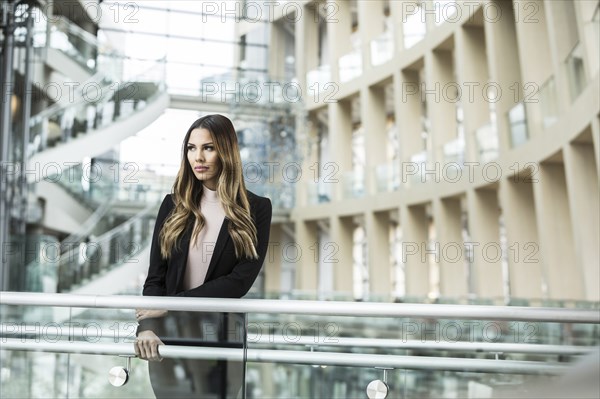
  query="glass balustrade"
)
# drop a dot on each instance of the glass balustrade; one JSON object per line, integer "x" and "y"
{"x": 414, "y": 171}
{"x": 350, "y": 65}
{"x": 319, "y": 192}
{"x": 517, "y": 123}
{"x": 98, "y": 181}
{"x": 382, "y": 48}
{"x": 97, "y": 108}
{"x": 245, "y": 87}
{"x": 30, "y": 373}
{"x": 454, "y": 151}
{"x": 548, "y": 103}
{"x": 413, "y": 24}
{"x": 85, "y": 260}
{"x": 387, "y": 177}
{"x": 68, "y": 351}
{"x": 487, "y": 143}
{"x": 354, "y": 184}
{"x": 318, "y": 78}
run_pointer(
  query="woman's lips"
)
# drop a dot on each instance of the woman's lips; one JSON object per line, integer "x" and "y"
{"x": 201, "y": 168}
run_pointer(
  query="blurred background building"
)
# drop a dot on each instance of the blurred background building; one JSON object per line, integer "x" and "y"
{"x": 432, "y": 151}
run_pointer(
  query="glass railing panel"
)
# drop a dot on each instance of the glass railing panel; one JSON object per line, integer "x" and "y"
{"x": 318, "y": 78}
{"x": 517, "y": 123}
{"x": 413, "y": 24}
{"x": 100, "y": 343}
{"x": 96, "y": 108}
{"x": 487, "y": 143}
{"x": 354, "y": 184}
{"x": 434, "y": 341}
{"x": 454, "y": 151}
{"x": 86, "y": 260}
{"x": 382, "y": 48}
{"x": 97, "y": 181}
{"x": 319, "y": 192}
{"x": 414, "y": 171}
{"x": 387, "y": 177}
{"x": 350, "y": 65}
{"x": 548, "y": 102}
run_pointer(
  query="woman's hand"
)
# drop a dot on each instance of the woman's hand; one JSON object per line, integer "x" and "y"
{"x": 141, "y": 314}
{"x": 146, "y": 346}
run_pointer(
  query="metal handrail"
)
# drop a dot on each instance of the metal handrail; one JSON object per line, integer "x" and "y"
{"x": 297, "y": 357}
{"x": 322, "y": 308}
{"x": 57, "y": 333}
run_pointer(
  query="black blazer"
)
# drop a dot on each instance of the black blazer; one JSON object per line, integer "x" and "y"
{"x": 227, "y": 276}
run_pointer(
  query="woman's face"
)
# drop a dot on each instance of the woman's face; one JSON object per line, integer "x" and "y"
{"x": 203, "y": 158}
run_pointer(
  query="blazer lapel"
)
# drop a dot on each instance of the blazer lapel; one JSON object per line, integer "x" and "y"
{"x": 222, "y": 239}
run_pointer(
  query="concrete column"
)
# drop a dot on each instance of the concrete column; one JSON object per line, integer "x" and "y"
{"x": 557, "y": 253}
{"x": 562, "y": 37}
{"x": 595, "y": 126}
{"x": 396, "y": 12}
{"x": 310, "y": 158}
{"x": 439, "y": 71}
{"x": 307, "y": 44}
{"x": 276, "y": 65}
{"x": 525, "y": 268}
{"x": 408, "y": 111}
{"x": 504, "y": 65}
{"x": 415, "y": 235}
{"x": 373, "y": 117}
{"x": 371, "y": 24}
{"x": 341, "y": 235}
{"x": 306, "y": 267}
{"x": 484, "y": 214}
{"x": 472, "y": 70}
{"x": 378, "y": 242}
{"x": 582, "y": 188}
{"x": 536, "y": 61}
{"x": 338, "y": 34}
{"x": 340, "y": 134}
{"x": 448, "y": 226}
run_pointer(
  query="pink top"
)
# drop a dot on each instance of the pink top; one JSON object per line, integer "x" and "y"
{"x": 201, "y": 250}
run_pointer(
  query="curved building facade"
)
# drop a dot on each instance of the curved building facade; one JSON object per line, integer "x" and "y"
{"x": 450, "y": 149}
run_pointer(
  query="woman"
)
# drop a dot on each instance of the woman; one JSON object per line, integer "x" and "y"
{"x": 210, "y": 240}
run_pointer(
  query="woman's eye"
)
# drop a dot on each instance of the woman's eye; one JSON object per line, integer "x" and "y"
{"x": 209, "y": 148}
{"x": 190, "y": 148}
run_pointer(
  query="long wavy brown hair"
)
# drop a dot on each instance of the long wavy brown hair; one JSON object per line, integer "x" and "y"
{"x": 231, "y": 190}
